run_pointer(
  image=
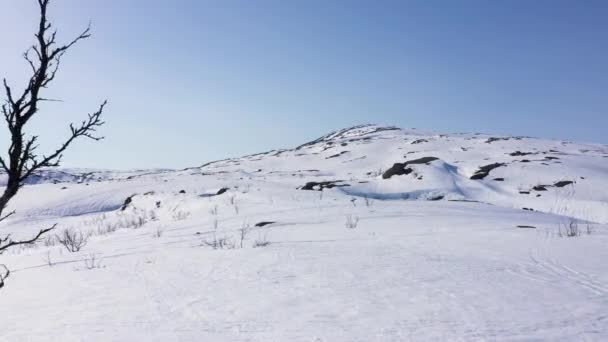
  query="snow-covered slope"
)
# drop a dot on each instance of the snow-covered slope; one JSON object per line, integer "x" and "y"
{"x": 369, "y": 233}
{"x": 545, "y": 175}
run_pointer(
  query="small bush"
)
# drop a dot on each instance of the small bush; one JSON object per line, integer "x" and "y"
{"x": 261, "y": 241}
{"x": 72, "y": 240}
{"x": 92, "y": 262}
{"x": 351, "y": 222}
{"x": 50, "y": 240}
{"x": 221, "y": 243}
{"x": 139, "y": 222}
{"x": 106, "y": 228}
{"x": 569, "y": 229}
{"x": 48, "y": 259}
{"x": 589, "y": 228}
{"x": 180, "y": 215}
{"x": 245, "y": 227}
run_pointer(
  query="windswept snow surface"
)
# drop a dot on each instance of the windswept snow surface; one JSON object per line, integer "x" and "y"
{"x": 430, "y": 255}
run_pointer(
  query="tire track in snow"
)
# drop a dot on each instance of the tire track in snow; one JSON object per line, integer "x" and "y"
{"x": 560, "y": 271}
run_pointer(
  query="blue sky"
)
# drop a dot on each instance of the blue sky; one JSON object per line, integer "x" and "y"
{"x": 193, "y": 81}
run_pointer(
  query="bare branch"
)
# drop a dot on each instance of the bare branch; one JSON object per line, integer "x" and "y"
{"x": 7, "y": 216}
{"x": 4, "y": 273}
{"x": 86, "y": 129}
{"x": 59, "y": 51}
{"x": 9, "y": 94}
{"x": 3, "y": 165}
{"x": 22, "y": 159}
{"x": 7, "y": 242}
{"x": 43, "y": 99}
{"x": 26, "y": 56}
{"x": 44, "y": 60}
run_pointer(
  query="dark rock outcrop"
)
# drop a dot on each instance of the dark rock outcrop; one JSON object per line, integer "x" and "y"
{"x": 520, "y": 154}
{"x": 399, "y": 169}
{"x": 493, "y": 139}
{"x": 484, "y": 171}
{"x": 319, "y": 186}
{"x": 126, "y": 203}
{"x": 264, "y": 223}
{"x": 336, "y": 155}
{"x": 562, "y": 184}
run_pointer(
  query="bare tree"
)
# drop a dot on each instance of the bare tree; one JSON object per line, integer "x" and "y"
{"x": 44, "y": 59}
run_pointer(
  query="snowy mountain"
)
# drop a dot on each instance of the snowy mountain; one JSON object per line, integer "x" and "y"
{"x": 369, "y": 233}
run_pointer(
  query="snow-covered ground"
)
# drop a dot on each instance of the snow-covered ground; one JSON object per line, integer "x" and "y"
{"x": 428, "y": 255}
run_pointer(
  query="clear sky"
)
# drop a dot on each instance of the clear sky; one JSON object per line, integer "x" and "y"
{"x": 193, "y": 81}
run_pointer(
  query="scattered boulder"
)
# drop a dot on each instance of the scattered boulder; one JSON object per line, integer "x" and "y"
{"x": 562, "y": 184}
{"x": 484, "y": 171}
{"x": 264, "y": 223}
{"x": 540, "y": 188}
{"x": 423, "y": 160}
{"x": 219, "y": 192}
{"x": 126, "y": 203}
{"x": 520, "y": 154}
{"x": 336, "y": 155}
{"x": 499, "y": 179}
{"x": 419, "y": 141}
{"x": 493, "y": 139}
{"x": 319, "y": 186}
{"x": 182, "y": 191}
